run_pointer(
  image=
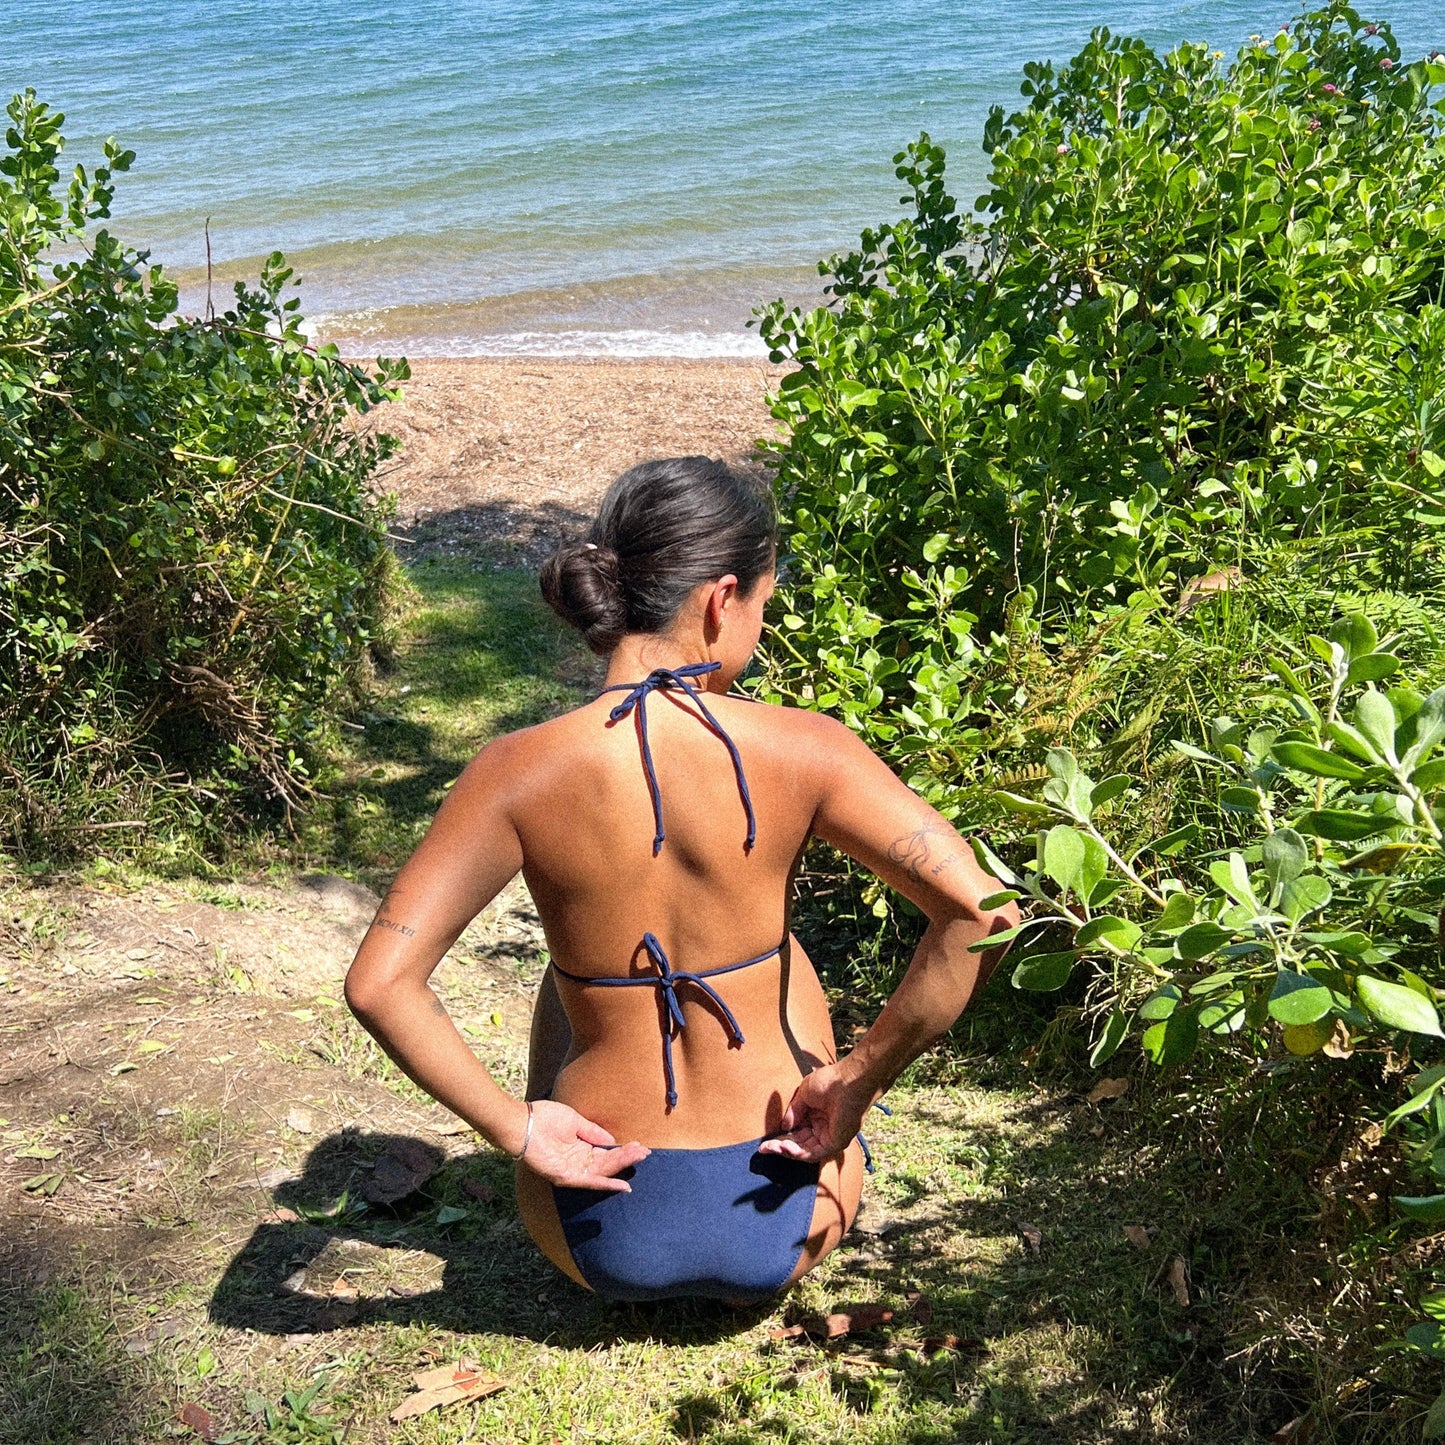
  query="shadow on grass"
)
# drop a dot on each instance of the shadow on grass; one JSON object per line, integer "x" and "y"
{"x": 493, "y": 1279}
{"x": 62, "y": 1368}
{"x": 1021, "y": 1313}
{"x": 477, "y": 655}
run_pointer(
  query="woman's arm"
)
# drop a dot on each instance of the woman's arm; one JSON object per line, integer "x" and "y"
{"x": 869, "y": 814}
{"x": 470, "y": 853}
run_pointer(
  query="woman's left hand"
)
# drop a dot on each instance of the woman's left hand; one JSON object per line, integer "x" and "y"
{"x": 823, "y": 1118}
{"x": 574, "y": 1153}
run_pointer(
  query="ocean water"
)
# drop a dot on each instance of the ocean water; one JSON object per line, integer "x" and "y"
{"x": 623, "y": 177}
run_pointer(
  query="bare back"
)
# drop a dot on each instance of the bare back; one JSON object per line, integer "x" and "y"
{"x": 586, "y": 827}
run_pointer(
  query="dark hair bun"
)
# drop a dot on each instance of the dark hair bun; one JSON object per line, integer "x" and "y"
{"x": 580, "y": 583}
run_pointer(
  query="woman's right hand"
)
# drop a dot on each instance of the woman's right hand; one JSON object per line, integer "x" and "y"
{"x": 574, "y": 1153}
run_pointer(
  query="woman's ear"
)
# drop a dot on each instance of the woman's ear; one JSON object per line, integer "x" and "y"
{"x": 718, "y": 600}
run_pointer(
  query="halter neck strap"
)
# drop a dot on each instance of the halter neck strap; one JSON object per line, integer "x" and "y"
{"x": 681, "y": 678}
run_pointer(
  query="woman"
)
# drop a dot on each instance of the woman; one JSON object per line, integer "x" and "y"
{"x": 659, "y": 828}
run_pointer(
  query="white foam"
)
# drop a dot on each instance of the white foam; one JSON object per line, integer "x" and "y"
{"x": 632, "y": 342}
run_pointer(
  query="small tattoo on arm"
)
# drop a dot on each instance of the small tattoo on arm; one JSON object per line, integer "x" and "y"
{"x": 394, "y": 926}
{"x": 915, "y": 854}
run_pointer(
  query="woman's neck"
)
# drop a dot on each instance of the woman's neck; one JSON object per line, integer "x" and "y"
{"x": 641, "y": 653}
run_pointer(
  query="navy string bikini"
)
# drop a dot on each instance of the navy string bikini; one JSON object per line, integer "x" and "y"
{"x": 726, "y": 1222}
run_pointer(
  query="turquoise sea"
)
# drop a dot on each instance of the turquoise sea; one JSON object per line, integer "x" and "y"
{"x": 600, "y": 176}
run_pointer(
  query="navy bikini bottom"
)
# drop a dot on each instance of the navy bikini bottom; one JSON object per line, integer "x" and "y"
{"x": 723, "y": 1223}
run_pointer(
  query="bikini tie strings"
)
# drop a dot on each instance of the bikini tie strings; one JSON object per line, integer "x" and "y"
{"x": 637, "y": 698}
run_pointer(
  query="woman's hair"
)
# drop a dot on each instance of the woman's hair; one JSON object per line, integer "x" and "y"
{"x": 663, "y": 528}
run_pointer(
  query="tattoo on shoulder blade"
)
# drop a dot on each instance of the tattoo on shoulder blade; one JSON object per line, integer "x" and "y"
{"x": 918, "y": 856}
{"x": 394, "y": 926}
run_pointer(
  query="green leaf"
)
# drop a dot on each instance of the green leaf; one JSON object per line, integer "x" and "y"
{"x": 1044, "y": 972}
{"x": 1298, "y": 999}
{"x": 450, "y": 1214}
{"x": 1063, "y": 856}
{"x": 1397, "y": 1007}
{"x": 1116, "y": 1027}
{"x": 1026, "y": 807}
{"x": 1341, "y": 825}
{"x": 1429, "y": 1339}
{"x": 1162, "y": 1003}
{"x": 1429, "y": 776}
{"x": 1372, "y": 667}
{"x": 1317, "y": 762}
{"x": 1434, "y": 1426}
{"x": 1356, "y": 634}
{"x": 1109, "y": 789}
{"x": 999, "y": 900}
{"x": 1375, "y": 720}
{"x": 1232, "y": 875}
{"x": 1178, "y": 912}
{"x": 1434, "y": 1304}
{"x": 1171, "y": 843}
{"x": 1284, "y": 855}
{"x": 936, "y": 546}
{"x": 1118, "y": 933}
{"x": 1202, "y": 939}
{"x": 1172, "y": 1041}
{"x": 1427, "y": 1208}
{"x": 1303, "y": 896}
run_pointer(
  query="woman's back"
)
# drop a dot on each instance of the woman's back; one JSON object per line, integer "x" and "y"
{"x": 587, "y": 825}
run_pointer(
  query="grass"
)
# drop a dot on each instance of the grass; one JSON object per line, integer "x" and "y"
{"x": 479, "y": 656}
{"x": 995, "y": 1229}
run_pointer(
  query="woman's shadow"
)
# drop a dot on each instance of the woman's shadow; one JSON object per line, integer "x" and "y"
{"x": 386, "y": 1229}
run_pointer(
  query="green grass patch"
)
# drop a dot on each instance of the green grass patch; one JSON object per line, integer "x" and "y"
{"x": 477, "y": 654}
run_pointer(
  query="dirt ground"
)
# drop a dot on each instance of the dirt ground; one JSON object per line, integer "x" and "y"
{"x": 518, "y": 452}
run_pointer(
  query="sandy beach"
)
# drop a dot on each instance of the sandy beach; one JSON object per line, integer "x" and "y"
{"x": 511, "y": 455}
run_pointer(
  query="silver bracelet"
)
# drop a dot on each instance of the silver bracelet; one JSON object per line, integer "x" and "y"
{"x": 526, "y": 1137}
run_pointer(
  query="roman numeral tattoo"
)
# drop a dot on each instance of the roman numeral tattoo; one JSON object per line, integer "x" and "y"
{"x": 919, "y": 857}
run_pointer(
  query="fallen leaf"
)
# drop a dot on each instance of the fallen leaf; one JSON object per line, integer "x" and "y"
{"x": 461, "y": 1387}
{"x": 954, "y": 1344}
{"x": 1339, "y": 1045}
{"x": 281, "y": 1216}
{"x": 137, "y": 954}
{"x": 1179, "y": 1280}
{"x": 272, "y": 1178}
{"x": 451, "y": 1128}
{"x": 921, "y": 1306}
{"x": 406, "y": 1165}
{"x": 1033, "y": 1238}
{"x": 36, "y": 1152}
{"x": 786, "y": 1332}
{"x": 1137, "y": 1235}
{"x": 1293, "y": 1432}
{"x": 445, "y": 1375}
{"x": 301, "y": 1120}
{"x": 125, "y": 1068}
{"x": 1108, "y": 1089}
{"x": 856, "y": 1317}
{"x": 153, "y": 1046}
{"x": 483, "y": 1192}
{"x": 220, "y": 1058}
{"x": 43, "y": 1184}
{"x": 199, "y": 1420}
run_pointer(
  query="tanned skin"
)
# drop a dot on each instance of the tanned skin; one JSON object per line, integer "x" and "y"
{"x": 565, "y": 803}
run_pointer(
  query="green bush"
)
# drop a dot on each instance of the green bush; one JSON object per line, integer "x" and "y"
{"x": 1200, "y": 336}
{"x": 191, "y": 562}
{"x": 1072, "y": 495}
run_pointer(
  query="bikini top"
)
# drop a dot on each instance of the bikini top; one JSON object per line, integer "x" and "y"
{"x": 668, "y": 978}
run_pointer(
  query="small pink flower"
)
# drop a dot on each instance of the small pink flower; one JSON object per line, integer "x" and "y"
{"x": 1063, "y": 150}
{"x": 1330, "y": 89}
{"x": 1372, "y": 30}
{"x": 1314, "y": 124}
{"x": 1387, "y": 64}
